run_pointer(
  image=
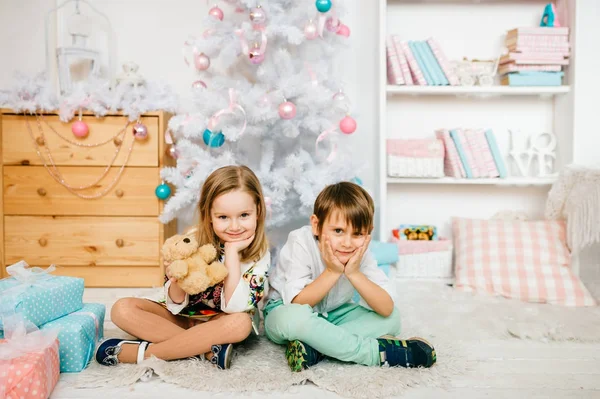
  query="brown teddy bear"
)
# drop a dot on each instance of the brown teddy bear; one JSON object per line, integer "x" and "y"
{"x": 195, "y": 267}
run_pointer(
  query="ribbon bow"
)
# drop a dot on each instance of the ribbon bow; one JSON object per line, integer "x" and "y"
{"x": 233, "y": 105}
{"x": 323, "y": 136}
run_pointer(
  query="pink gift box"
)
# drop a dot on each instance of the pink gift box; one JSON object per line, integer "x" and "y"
{"x": 415, "y": 148}
{"x": 31, "y": 375}
{"x": 408, "y": 247}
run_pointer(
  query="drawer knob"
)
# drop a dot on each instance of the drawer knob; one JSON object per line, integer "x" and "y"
{"x": 42, "y": 242}
{"x": 41, "y": 192}
{"x": 119, "y": 193}
{"x": 40, "y": 141}
{"x": 119, "y": 243}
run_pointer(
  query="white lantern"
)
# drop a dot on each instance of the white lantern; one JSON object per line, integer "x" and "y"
{"x": 76, "y": 56}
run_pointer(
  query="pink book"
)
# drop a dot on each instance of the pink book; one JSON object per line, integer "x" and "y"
{"x": 543, "y": 31}
{"x": 415, "y": 70}
{"x": 462, "y": 137}
{"x": 452, "y": 164}
{"x": 479, "y": 145}
{"x": 443, "y": 61}
{"x": 533, "y": 51}
{"x": 394, "y": 74}
{"x": 476, "y": 148}
{"x": 538, "y": 58}
{"x": 403, "y": 62}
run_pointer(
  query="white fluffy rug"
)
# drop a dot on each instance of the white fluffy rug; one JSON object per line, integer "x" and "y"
{"x": 451, "y": 320}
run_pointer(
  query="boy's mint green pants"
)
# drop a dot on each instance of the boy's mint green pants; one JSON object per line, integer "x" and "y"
{"x": 348, "y": 333}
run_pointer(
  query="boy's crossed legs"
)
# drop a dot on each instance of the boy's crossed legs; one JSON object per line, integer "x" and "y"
{"x": 350, "y": 333}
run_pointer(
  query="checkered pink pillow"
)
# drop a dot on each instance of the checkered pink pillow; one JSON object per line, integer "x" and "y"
{"x": 516, "y": 259}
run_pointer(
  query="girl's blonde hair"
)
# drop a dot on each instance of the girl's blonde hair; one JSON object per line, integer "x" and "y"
{"x": 222, "y": 181}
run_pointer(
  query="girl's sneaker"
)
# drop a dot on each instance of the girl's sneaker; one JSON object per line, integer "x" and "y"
{"x": 413, "y": 352}
{"x": 222, "y": 355}
{"x": 301, "y": 356}
{"x": 108, "y": 351}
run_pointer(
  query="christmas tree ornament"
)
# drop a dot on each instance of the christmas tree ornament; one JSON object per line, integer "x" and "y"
{"x": 255, "y": 55}
{"x": 332, "y": 24}
{"x": 198, "y": 84}
{"x": 323, "y": 5}
{"x": 258, "y": 16}
{"x": 79, "y": 128}
{"x": 213, "y": 140}
{"x": 311, "y": 31}
{"x": 356, "y": 180}
{"x": 162, "y": 191}
{"x": 201, "y": 61}
{"x": 140, "y": 131}
{"x": 172, "y": 152}
{"x": 348, "y": 125}
{"x": 216, "y": 12}
{"x": 343, "y": 30}
{"x": 287, "y": 110}
{"x": 340, "y": 99}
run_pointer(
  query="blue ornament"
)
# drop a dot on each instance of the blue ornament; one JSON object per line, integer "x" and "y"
{"x": 213, "y": 139}
{"x": 357, "y": 180}
{"x": 163, "y": 191}
{"x": 323, "y": 5}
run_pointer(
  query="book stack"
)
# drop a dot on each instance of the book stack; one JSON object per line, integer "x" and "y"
{"x": 420, "y": 63}
{"x": 536, "y": 56}
{"x": 471, "y": 153}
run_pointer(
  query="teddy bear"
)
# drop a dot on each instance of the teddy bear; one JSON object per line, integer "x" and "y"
{"x": 195, "y": 267}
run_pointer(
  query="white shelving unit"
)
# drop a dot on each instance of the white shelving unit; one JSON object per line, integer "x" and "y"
{"x": 473, "y": 29}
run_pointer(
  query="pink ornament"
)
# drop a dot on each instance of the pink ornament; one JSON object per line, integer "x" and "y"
{"x": 256, "y": 57}
{"x": 201, "y": 61}
{"x": 172, "y": 152}
{"x": 347, "y": 125}
{"x": 216, "y": 12}
{"x": 198, "y": 84}
{"x": 287, "y": 110}
{"x": 258, "y": 16}
{"x": 333, "y": 24}
{"x": 311, "y": 31}
{"x": 343, "y": 30}
{"x": 80, "y": 129}
{"x": 140, "y": 131}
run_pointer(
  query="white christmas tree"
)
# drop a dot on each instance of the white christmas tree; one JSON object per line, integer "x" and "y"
{"x": 265, "y": 97}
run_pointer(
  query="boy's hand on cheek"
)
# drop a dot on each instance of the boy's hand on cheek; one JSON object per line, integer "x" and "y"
{"x": 332, "y": 263}
{"x": 353, "y": 265}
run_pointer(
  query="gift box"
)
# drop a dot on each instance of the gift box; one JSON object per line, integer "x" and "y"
{"x": 78, "y": 335}
{"x": 29, "y": 365}
{"x": 37, "y": 295}
{"x": 415, "y": 157}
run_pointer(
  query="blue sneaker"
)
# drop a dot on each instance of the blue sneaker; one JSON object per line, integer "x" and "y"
{"x": 108, "y": 351}
{"x": 222, "y": 355}
{"x": 413, "y": 352}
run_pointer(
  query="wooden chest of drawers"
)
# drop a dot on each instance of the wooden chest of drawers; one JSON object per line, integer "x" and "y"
{"x": 110, "y": 241}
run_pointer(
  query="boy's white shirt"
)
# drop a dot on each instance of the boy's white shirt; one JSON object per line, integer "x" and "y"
{"x": 239, "y": 301}
{"x": 300, "y": 263}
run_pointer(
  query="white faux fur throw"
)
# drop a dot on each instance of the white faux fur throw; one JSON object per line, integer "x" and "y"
{"x": 576, "y": 198}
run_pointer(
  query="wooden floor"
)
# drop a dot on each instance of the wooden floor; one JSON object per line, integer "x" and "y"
{"x": 496, "y": 369}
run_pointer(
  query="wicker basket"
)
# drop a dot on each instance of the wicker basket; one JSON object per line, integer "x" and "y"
{"x": 415, "y": 158}
{"x": 424, "y": 259}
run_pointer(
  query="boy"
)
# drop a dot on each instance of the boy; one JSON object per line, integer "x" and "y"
{"x": 310, "y": 304}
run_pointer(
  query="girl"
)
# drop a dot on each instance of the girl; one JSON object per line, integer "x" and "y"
{"x": 232, "y": 217}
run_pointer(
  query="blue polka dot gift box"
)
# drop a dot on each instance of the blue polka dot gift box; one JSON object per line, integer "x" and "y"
{"x": 79, "y": 332}
{"x": 39, "y": 296}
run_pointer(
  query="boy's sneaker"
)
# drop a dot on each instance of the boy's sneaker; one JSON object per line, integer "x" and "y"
{"x": 301, "y": 356}
{"x": 222, "y": 355}
{"x": 413, "y": 352}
